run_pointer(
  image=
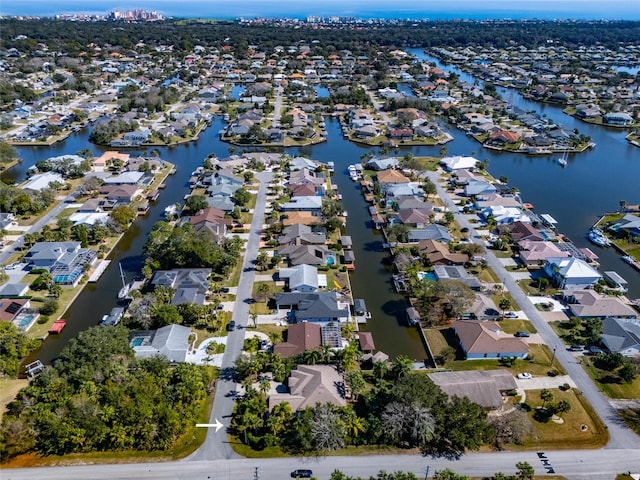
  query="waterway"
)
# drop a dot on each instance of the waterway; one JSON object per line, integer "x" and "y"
{"x": 592, "y": 183}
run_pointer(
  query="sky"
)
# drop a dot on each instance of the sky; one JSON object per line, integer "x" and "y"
{"x": 416, "y": 9}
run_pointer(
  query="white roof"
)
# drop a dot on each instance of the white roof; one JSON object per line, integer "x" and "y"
{"x": 571, "y": 267}
{"x": 125, "y": 177}
{"x": 456, "y": 163}
{"x": 89, "y": 218}
{"x": 41, "y": 181}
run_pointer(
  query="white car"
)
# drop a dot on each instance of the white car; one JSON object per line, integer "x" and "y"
{"x": 524, "y": 376}
{"x": 510, "y": 315}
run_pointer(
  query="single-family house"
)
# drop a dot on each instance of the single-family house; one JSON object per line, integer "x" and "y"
{"x": 430, "y": 232}
{"x": 451, "y": 164}
{"x": 519, "y": 231}
{"x": 299, "y": 337}
{"x": 456, "y": 272}
{"x": 212, "y": 221}
{"x": 438, "y": 253}
{"x": 533, "y": 252}
{"x": 313, "y": 307}
{"x": 485, "y": 387}
{"x": 303, "y": 204}
{"x": 171, "y": 342}
{"x": 310, "y": 385}
{"x": 64, "y": 260}
{"x": 505, "y": 215}
{"x": 40, "y": 181}
{"x": 591, "y": 304}
{"x": 571, "y": 273}
{"x": 484, "y": 339}
{"x": 309, "y": 254}
{"x": 302, "y": 278}
{"x": 630, "y": 224}
{"x": 300, "y": 234}
{"x": 621, "y": 335}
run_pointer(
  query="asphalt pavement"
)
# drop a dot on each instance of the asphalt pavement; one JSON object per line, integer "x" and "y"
{"x": 216, "y": 445}
{"x": 620, "y": 435}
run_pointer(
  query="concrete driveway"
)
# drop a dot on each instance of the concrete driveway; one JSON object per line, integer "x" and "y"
{"x": 538, "y": 383}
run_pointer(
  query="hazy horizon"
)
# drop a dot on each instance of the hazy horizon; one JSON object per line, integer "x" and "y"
{"x": 403, "y": 9}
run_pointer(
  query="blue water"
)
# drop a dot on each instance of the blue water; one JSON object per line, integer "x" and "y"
{"x": 136, "y": 342}
{"x": 404, "y": 9}
{"x": 428, "y": 275}
{"x": 322, "y": 92}
{"x": 24, "y": 323}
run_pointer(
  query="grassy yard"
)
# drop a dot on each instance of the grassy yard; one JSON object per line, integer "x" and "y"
{"x": 609, "y": 383}
{"x": 582, "y": 428}
{"x": 513, "y": 326}
{"x": 538, "y": 363}
{"x": 632, "y": 418}
{"x": 9, "y": 388}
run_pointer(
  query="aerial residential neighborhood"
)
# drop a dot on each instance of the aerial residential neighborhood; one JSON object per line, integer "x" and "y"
{"x": 321, "y": 241}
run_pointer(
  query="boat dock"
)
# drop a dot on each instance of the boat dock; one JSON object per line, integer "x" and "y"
{"x": 97, "y": 273}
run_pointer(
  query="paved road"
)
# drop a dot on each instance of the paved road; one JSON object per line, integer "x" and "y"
{"x": 574, "y": 465}
{"x": 216, "y": 445}
{"x": 277, "y": 107}
{"x": 620, "y": 435}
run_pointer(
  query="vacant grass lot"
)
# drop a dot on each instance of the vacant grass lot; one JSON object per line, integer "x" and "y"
{"x": 571, "y": 433}
{"x": 609, "y": 383}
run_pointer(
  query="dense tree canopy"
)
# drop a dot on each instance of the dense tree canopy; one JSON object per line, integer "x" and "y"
{"x": 96, "y": 396}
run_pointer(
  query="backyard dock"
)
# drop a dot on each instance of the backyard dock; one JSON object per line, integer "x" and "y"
{"x": 97, "y": 273}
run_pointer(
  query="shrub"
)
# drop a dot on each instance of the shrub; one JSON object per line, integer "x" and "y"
{"x": 49, "y": 307}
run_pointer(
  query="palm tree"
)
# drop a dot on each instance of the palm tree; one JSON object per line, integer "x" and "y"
{"x": 265, "y": 386}
{"x": 546, "y": 395}
{"x": 275, "y": 337}
{"x": 504, "y": 304}
{"x": 262, "y": 260}
{"x": 380, "y": 369}
{"x": 311, "y": 357}
{"x": 401, "y": 365}
{"x": 563, "y": 406}
{"x": 352, "y": 423}
{"x": 326, "y": 352}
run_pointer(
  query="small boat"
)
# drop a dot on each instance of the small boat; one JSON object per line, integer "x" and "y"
{"x": 58, "y": 325}
{"x": 629, "y": 259}
{"x": 170, "y": 211}
{"x": 113, "y": 317}
{"x": 563, "y": 160}
{"x": 124, "y": 291}
{"x": 598, "y": 238}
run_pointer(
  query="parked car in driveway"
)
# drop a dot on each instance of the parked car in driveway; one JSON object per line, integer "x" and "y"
{"x": 576, "y": 348}
{"x": 522, "y": 334}
{"x": 510, "y": 315}
{"x": 593, "y": 350}
{"x": 524, "y": 376}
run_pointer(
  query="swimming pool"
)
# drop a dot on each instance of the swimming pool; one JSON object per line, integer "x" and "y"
{"x": 136, "y": 342}
{"x": 23, "y": 323}
{"x": 428, "y": 275}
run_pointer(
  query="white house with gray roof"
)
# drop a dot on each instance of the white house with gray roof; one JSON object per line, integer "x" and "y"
{"x": 621, "y": 335}
{"x": 171, "y": 342}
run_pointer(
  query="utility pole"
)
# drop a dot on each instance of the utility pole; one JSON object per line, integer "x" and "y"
{"x": 553, "y": 357}
{"x": 256, "y": 473}
{"x": 426, "y": 475}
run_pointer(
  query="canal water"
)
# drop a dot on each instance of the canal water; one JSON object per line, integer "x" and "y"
{"x": 592, "y": 183}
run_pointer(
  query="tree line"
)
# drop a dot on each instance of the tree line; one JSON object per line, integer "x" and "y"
{"x": 397, "y": 408}
{"x": 97, "y": 397}
{"x": 185, "y": 34}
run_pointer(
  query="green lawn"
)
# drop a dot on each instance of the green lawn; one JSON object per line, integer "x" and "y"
{"x": 538, "y": 363}
{"x": 513, "y": 325}
{"x": 610, "y": 384}
{"x": 571, "y": 433}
